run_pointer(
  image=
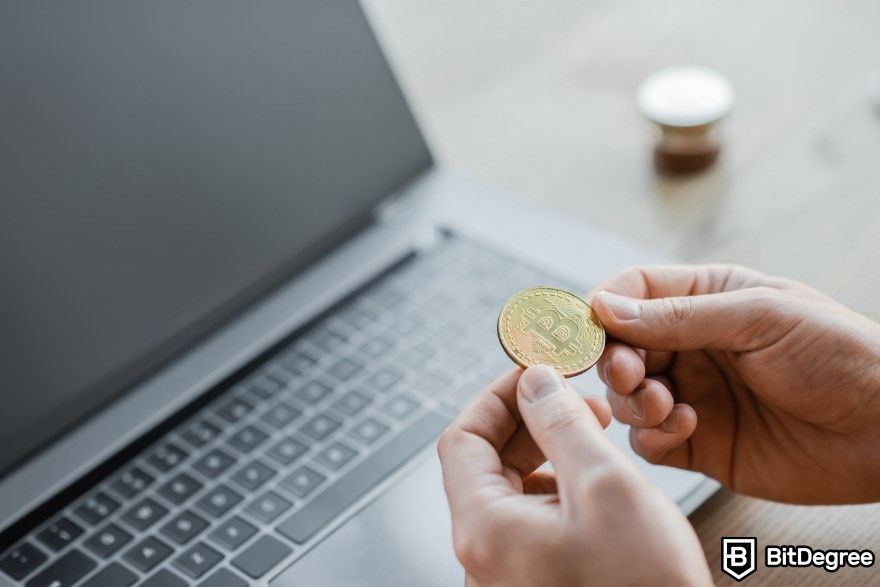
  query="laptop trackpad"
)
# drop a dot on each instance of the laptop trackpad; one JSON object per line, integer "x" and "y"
{"x": 402, "y": 538}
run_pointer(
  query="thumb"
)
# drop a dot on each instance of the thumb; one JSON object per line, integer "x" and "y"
{"x": 721, "y": 321}
{"x": 561, "y": 423}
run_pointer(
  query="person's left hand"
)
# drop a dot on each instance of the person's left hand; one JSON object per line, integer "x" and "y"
{"x": 595, "y": 521}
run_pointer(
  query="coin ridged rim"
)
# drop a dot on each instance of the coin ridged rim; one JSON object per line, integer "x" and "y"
{"x": 520, "y": 359}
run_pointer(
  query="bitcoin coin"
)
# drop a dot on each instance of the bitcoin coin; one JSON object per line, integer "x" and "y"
{"x": 549, "y": 326}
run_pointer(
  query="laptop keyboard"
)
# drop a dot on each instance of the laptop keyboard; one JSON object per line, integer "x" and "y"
{"x": 253, "y": 479}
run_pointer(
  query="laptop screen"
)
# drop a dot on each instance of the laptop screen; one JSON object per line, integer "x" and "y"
{"x": 163, "y": 164}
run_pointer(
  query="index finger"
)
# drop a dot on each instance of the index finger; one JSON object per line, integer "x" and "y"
{"x": 664, "y": 281}
{"x": 470, "y": 447}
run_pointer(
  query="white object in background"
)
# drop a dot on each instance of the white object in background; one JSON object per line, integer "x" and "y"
{"x": 685, "y": 103}
{"x": 685, "y": 96}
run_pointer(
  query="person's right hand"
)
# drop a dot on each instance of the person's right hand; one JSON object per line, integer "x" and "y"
{"x": 762, "y": 383}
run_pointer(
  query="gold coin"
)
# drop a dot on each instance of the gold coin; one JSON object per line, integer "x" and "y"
{"x": 549, "y": 326}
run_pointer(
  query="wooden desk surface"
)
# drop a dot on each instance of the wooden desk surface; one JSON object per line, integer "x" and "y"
{"x": 537, "y": 98}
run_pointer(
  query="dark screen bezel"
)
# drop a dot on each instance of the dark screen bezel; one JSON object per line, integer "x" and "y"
{"x": 120, "y": 382}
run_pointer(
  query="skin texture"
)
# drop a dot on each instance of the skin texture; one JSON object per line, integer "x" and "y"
{"x": 595, "y": 521}
{"x": 762, "y": 383}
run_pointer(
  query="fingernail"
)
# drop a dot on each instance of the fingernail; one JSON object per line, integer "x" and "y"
{"x": 635, "y": 403}
{"x": 621, "y": 307}
{"x": 670, "y": 424}
{"x": 539, "y": 381}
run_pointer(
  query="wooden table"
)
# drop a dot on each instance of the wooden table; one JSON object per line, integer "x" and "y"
{"x": 537, "y": 98}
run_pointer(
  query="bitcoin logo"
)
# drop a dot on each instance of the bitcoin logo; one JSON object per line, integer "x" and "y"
{"x": 544, "y": 325}
{"x": 559, "y": 332}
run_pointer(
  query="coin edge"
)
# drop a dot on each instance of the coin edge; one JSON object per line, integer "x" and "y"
{"x": 566, "y": 374}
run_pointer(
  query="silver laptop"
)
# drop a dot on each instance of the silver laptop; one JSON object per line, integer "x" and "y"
{"x": 240, "y": 302}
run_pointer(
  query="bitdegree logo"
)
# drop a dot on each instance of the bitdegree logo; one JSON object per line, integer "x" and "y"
{"x": 831, "y": 560}
{"x": 738, "y": 556}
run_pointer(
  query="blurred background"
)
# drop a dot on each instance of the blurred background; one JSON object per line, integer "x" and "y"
{"x": 538, "y": 99}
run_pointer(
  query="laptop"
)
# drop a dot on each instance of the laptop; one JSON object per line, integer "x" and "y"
{"x": 240, "y": 301}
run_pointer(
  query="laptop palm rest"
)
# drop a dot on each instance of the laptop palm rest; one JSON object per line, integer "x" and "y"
{"x": 402, "y": 538}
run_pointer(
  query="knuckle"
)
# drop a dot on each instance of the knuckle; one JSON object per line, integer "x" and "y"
{"x": 615, "y": 481}
{"x": 473, "y": 551}
{"x": 763, "y": 318}
{"x": 733, "y": 270}
{"x": 653, "y": 457}
{"x": 680, "y": 309}
{"x": 766, "y": 296}
{"x": 442, "y": 443}
{"x": 447, "y": 441}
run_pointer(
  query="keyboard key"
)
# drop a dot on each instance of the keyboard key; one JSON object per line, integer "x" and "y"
{"x": 214, "y": 463}
{"x": 297, "y": 362}
{"x": 359, "y": 316}
{"x": 405, "y": 324}
{"x": 384, "y": 379}
{"x": 387, "y": 296}
{"x": 96, "y": 508}
{"x": 345, "y": 369}
{"x": 200, "y": 433}
{"x": 233, "y": 533}
{"x": 434, "y": 383}
{"x": 369, "y": 431}
{"x": 164, "y": 578}
{"x": 234, "y": 410}
{"x": 400, "y": 406}
{"x": 287, "y": 450}
{"x": 166, "y": 457}
{"x": 253, "y": 475}
{"x": 264, "y": 386}
{"x": 219, "y": 500}
{"x": 328, "y": 340}
{"x": 184, "y": 527}
{"x": 247, "y": 439}
{"x": 148, "y": 553}
{"x": 281, "y": 415}
{"x": 416, "y": 356}
{"x": 65, "y": 571}
{"x": 268, "y": 506}
{"x": 107, "y": 541}
{"x": 376, "y": 347}
{"x": 180, "y": 488}
{"x": 113, "y": 575}
{"x": 259, "y": 558}
{"x": 21, "y": 561}
{"x": 448, "y": 333}
{"x": 276, "y": 372}
{"x": 463, "y": 360}
{"x": 313, "y": 392}
{"x": 59, "y": 534}
{"x": 302, "y": 481}
{"x": 307, "y": 521}
{"x": 352, "y": 403}
{"x": 336, "y": 456}
{"x": 321, "y": 426}
{"x": 132, "y": 482}
{"x": 146, "y": 513}
{"x": 223, "y": 578}
{"x": 198, "y": 560}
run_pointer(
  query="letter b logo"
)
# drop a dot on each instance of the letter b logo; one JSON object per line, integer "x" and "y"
{"x": 556, "y": 330}
{"x": 738, "y": 558}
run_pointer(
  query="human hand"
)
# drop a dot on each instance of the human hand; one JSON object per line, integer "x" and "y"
{"x": 595, "y": 521}
{"x": 775, "y": 386}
